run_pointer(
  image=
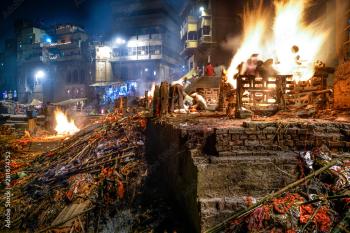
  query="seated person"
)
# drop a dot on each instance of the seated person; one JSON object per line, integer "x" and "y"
{"x": 199, "y": 102}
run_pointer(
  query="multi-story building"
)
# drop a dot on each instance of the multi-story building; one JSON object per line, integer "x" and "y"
{"x": 68, "y": 61}
{"x": 61, "y": 58}
{"x": 146, "y": 44}
{"x": 29, "y": 61}
{"x": 8, "y": 67}
{"x": 206, "y": 24}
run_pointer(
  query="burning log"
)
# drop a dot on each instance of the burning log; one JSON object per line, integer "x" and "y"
{"x": 156, "y": 101}
{"x": 164, "y": 98}
{"x": 146, "y": 103}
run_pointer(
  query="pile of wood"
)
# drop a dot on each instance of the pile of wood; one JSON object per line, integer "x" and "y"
{"x": 78, "y": 185}
{"x": 307, "y": 97}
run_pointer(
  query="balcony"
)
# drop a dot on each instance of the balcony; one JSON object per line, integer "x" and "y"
{"x": 189, "y": 46}
{"x": 190, "y": 25}
{"x": 136, "y": 57}
{"x": 206, "y": 39}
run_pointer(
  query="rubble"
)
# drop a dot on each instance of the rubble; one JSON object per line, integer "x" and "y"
{"x": 317, "y": 202}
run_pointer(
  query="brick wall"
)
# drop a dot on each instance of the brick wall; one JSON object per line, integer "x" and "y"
{"x": 209, "y": 165}
{"x": 255, "y": 137}
{"x": 342, "y": 87}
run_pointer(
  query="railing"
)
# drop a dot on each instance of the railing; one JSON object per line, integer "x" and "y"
{"x": 189, "y": 44}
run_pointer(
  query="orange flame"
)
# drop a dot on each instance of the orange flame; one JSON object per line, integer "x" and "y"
{"x": 151, "y": 92}
{"x": 63, "y": 125}
{"x": 293, "y": 44}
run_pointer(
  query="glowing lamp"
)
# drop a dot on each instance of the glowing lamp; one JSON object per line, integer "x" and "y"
{"x": 39, "y": 74}
{"x": 120, "y": 41}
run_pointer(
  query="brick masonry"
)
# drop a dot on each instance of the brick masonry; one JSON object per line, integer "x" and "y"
{"x": 208, "y": 165}
{"x": 273, "y": 136}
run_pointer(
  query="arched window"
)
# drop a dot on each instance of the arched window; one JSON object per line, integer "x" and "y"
{"x": 75, "y": 77}
{"x": 82, "y": 76}
{"x": 69, "y": 77}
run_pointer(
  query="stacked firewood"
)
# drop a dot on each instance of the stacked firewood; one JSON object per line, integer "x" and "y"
{"x": 308, "y": 97}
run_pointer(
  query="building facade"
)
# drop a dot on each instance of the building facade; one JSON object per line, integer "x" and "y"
{"x": 69, "y": 63}
{"x": 145, "y": 44}
{"x": 206, "y": 24}
{"x": 8, "y": 67}
{"x": 29, "y": 61}
{"x": 53, "y": 65}
{"x": 101, "y": 66}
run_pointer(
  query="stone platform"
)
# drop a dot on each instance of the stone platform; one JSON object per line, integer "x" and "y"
{"x": 208, "y": 163}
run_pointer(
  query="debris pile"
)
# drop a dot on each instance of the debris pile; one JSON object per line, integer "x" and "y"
{"x": 92, "y": 182}
{"x": 318, "y": 202}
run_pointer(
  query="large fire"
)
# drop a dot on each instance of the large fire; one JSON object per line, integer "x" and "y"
{"x": 63, "y": 125}
{"x": 284, "y": 36}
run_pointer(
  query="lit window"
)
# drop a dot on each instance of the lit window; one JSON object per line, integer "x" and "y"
{"x": 206, "y": 30}
{"x": 155, "y": 50}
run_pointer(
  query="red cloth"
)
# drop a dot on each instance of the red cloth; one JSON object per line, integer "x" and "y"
{"x": 209, "y": 70}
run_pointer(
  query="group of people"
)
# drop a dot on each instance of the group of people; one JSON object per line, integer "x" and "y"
{"x": 211, "y": 70}
{"x": 183, "y": 102}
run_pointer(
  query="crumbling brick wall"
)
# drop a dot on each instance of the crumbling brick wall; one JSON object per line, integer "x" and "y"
{"x": 273, "y": 136}
{"x": 208, "y": 166}
{"x": 342, "y": 87}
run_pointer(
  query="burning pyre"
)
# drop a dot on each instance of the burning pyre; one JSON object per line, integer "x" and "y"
{"x": 63, "y": 125}
{"x": 284, "y": 36}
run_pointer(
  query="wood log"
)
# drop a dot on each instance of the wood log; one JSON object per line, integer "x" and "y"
{"x": 156, "y": 101}
{"x": 164, "y": 98}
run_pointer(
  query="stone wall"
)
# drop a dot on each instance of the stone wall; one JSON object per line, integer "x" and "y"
{"x": 208, "y": 166}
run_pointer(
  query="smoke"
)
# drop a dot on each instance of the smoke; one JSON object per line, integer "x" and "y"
{"x": 232, "y": 43}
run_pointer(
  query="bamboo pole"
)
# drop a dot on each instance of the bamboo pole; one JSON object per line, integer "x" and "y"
{"x": 221, "y": 226}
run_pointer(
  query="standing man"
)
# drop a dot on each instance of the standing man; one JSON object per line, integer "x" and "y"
{"x": 209, "y": 70}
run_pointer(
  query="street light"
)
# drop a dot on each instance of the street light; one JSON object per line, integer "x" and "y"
{"x": 38, "y": 87}
{"x": 201, "y": 9}
{"x": 39, "y": 74}
{"x": 120, "y": 41}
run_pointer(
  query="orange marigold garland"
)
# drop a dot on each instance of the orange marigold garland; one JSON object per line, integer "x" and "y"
{"x": 283, "y": 204}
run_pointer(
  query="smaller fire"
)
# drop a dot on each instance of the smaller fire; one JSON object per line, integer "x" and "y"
{"x": 63, "y": 125}
{"x": 151, "y": 92}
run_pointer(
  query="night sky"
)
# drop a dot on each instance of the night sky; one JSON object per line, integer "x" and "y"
{"x": 94, "y": 16}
